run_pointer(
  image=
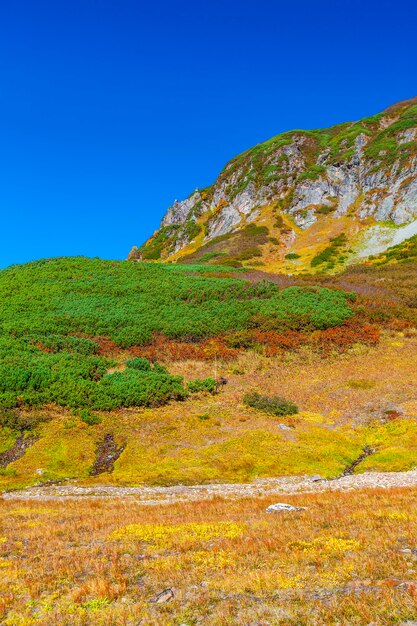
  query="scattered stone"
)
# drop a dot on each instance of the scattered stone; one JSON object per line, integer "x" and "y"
{"x": 316, "y": 478}
{"x": 107, "y": 453}
{"x": 284, "y": 427}
{"x": 164, "y": 596}
{"x": 17, "y": 450}
{"x": 261, "y": 487}
{"x": 281, "y": 506}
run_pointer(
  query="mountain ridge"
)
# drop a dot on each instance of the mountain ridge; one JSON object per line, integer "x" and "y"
{"x": 302, "y": 201}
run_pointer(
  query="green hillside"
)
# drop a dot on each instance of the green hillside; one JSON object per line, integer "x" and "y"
{"x": 53, "y": 312}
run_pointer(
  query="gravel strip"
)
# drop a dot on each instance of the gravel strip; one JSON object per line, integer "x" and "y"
{"x": 185, "y": 493}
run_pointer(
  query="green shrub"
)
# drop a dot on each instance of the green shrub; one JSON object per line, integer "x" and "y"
{"x": 8, "y": 471}
{"x": 249, "y": 253}
{"x": 192, "y": 229}
{"x": 131, "y": 336}
{"x": 143, "y": 365}
{"x": 292, "y": 255}
{"x": 208, "y": 256}
{"x": 152, "y": 250}
{"x": 325, "y": 209}
{"x": 207, "y": 385}
{"x": 361, "y": 384}
{"x": 312, "y": 173}
{"x": 161, "y": 369}
{"x": 89, "y": 418}
{"x": 139, "y": 363}
{"x": 274, "y": 406}
{"x": 279, "y": 222}
{"x": 61, "y": 343}
{"x": 329, "y": 254}
{"x": 253, "y": 230}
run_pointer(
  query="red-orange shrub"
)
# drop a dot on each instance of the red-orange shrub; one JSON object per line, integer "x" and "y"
{"x": 271, "y": 342}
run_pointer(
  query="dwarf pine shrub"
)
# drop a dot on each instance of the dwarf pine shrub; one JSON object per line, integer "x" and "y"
{"x": 208, "y": 385}
{"x": 53, "y": 313}
{"x": 274, "y": 406}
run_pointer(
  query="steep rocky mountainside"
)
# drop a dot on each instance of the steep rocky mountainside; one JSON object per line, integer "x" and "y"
{"x": 303, "y": 200}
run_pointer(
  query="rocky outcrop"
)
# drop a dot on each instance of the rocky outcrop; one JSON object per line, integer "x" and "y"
{"x": 367, "y": 169}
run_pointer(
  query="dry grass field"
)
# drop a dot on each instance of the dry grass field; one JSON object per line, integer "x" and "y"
{"x": 347, "y": 559}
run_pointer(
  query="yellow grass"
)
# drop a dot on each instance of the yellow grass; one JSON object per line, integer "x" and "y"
{"x": 346, "y": 559}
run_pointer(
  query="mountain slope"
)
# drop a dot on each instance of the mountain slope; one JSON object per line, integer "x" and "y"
{"x": 303, "y": 200}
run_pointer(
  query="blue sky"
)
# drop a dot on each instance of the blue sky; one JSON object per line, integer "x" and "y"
{"x": 111, "y": 110}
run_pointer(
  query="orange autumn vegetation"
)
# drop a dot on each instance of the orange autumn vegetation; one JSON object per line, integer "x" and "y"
{"x": 268, "y": 342}
{"x": 347, "y": 559}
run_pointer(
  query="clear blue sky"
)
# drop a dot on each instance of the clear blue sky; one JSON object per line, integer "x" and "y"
{"x": 109, "y": 110}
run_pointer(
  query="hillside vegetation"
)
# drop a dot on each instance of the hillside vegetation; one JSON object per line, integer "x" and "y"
{"x": 53, "y": 314}
{"x": 148, "y": 373}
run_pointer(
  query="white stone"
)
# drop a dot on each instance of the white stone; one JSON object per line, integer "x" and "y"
{"x": 281, "y": 506}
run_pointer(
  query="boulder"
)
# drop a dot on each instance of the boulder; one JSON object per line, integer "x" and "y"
{"x": 281, "y": 506}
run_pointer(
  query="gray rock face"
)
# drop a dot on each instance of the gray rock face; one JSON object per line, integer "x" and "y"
{"x": 407, "y": 135}
{"x": 285, "y": 174}
{"x": 179, "y": 212}
{"x": 224, "y": 223}
{"x": 317, "y": 192}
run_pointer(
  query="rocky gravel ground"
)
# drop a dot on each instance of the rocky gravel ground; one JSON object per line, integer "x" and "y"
{"x": 187, "y": 493}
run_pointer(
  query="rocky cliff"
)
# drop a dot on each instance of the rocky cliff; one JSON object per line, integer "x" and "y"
{"x": 303, "y": 200}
